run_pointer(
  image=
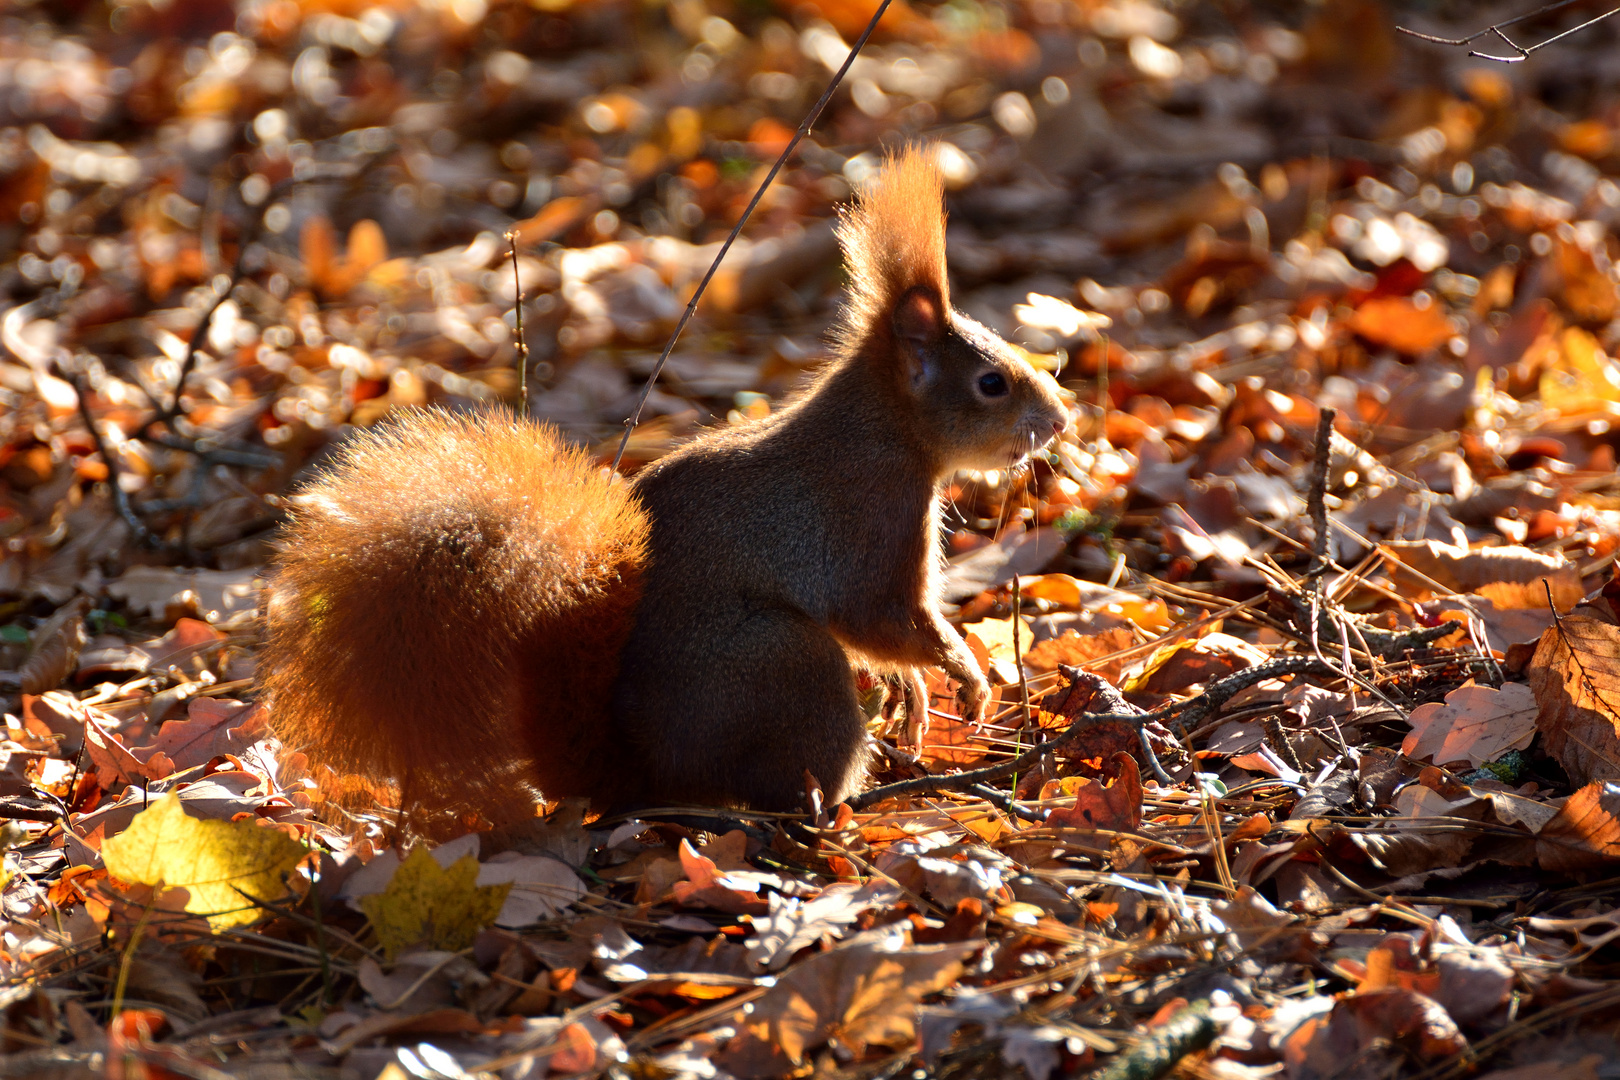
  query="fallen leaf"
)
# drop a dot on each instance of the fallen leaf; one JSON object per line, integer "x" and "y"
{"x": 443, "y": 907}
{"x": 707, "y": 886}
{"x": 217, "y": 862}
{"x": 864, "y": 993}
{"x": 213, "y": 728}
{"x": 1476, "y": 724}
{"x": 1082, "y": 651}
{"x": 1575, "y": 674}
{"x": 1585, "y": 832}
{"x": 793, "y": 924}
{"x": 1399, "y": 323}
{"x": 1115, "y": 805}
{"x": 1464, "y": 570}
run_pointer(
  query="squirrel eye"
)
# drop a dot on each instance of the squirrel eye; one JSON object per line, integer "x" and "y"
{"x": 992, "y": 384}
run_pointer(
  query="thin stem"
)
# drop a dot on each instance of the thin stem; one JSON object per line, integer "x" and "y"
{"x": 793, "y": 144}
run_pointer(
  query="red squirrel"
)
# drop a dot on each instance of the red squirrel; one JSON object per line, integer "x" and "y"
{"x": 465, "y": 606}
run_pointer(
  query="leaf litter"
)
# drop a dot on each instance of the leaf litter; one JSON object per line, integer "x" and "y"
{"x": 1384, "y": 838}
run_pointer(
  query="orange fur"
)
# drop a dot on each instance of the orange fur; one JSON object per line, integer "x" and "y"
{"x": 893, "y": 239}
{"x": 449, "y": 609}
{"x": 469, "y": 608}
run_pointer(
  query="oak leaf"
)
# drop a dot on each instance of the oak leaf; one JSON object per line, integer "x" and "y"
{"x": 1585, "y": 832}
{"x": 1476, "y": 724}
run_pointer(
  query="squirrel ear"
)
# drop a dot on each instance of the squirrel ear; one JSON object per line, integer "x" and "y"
{"x": 919, "y": 315}
{"x": 919, "y": 322}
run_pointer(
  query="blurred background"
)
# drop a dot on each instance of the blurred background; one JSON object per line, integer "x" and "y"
{"x": 305, "y": 205}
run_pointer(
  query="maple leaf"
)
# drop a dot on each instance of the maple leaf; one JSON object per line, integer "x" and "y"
{"x": 424, "y": 903}
{"x": 219, "y": 863}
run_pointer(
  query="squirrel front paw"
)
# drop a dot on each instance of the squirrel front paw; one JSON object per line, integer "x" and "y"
{"x": 972, "y": 696}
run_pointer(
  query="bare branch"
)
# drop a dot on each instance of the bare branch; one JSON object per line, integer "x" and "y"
{"x": 1497, "y": 30}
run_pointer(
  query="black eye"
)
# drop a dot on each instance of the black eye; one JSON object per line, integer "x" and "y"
{"x": 992, "y": 384}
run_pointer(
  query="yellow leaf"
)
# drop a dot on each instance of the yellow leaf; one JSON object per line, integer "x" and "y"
{"x": 997, "y": 636}
{"x": 425, "y": 903}
{"x": 216, "y": 862}
{"x": 1582, "y": 379}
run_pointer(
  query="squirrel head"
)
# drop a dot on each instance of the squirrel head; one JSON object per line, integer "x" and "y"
{"x": 971, "y": 398}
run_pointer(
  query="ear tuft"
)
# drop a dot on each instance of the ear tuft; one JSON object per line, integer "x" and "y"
{"x": 894, "y": 242}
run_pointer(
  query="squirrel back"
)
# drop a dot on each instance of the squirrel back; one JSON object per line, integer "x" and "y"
{"x": 451, "y": 598}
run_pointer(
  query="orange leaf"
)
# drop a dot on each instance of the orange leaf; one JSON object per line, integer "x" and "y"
{"x": 1400, "y": 324}
{"x": 1116, "y": 805}
{"x": 1585, "y": 832}
{"x": 556, "y": 217}
{"x": 317, "y": 249}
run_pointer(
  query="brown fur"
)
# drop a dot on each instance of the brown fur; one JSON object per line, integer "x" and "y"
{"x": 448, "y": 611}
{"x": 455, "y": 581}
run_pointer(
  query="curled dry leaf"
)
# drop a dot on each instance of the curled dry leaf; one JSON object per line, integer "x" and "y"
{"x": 56, "y": 645}
{"x": 1116, "y": 804}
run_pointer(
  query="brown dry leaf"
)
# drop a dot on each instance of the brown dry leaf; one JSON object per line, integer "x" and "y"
{"x": 1116, "y": 804}
{"x": 707, "y": 886}
{"x": 212, "y": 728}
{"x": 1579, "y": 695}
{"x": 863, "y": 993}
{"x": 1081, "y": 651}
{"x": 1465, "y": 571}
{"x": 1399, "y": 323}
{"x": 1585, "y": 833}
{"x": 1403, "y": 1016}
{"x": 112, "y": 761}
{"x": 1476, "y": 724}
{"x": 56, "y": 645}
{"x": 1532, "y": 595}
{"x": 1413, "y": 844}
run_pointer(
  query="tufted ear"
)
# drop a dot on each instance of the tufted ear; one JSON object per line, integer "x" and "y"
{"x": 919, "y": 322}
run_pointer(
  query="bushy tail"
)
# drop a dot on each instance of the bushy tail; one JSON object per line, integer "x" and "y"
{"x": 448, "y": 611}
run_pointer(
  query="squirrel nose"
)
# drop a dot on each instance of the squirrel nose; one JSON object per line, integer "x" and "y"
{"x": 1058, "y": 426}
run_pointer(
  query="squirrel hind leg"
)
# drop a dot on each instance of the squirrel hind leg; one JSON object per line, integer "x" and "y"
{"x": 777, "y": 699}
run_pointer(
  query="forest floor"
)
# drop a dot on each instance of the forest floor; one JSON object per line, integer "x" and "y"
{"x": 1373, "y": 828}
